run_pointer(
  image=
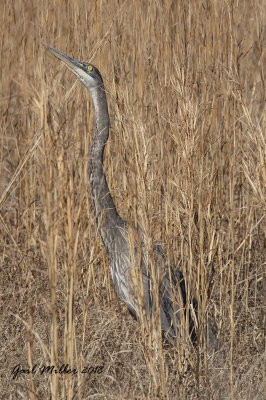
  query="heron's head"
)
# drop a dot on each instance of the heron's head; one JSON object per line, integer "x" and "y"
{"x": 87, "y": 73}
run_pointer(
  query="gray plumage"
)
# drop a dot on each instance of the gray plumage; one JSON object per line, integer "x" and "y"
{"x": 175, "y": 313}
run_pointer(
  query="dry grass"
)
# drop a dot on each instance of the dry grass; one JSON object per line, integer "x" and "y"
{"x": 185, "y": 159}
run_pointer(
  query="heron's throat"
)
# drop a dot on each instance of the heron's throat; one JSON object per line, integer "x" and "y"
{"x": 101, "y": 108}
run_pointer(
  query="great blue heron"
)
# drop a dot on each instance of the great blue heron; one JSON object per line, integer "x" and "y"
{"x": 174, "y": 310}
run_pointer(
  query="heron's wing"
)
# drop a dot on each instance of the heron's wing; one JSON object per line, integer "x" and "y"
{"x": 175, "y": 308}
{"x": 172, "y": 291}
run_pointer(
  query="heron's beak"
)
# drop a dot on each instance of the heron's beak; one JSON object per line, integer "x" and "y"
{"x": 71, "y": 63}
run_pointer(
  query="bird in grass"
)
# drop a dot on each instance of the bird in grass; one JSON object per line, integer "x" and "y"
{"x": 142, "y": 288}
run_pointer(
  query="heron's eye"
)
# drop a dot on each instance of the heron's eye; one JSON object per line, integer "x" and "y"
{"x": 89, "y": 67}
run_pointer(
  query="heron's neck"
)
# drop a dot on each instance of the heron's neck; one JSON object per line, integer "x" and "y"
{"x": 107, "y": 218}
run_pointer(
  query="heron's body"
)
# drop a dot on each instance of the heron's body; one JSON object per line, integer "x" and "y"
{"x": 129, "y": 263}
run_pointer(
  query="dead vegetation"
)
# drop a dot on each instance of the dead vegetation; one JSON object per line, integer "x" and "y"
{"x": 185, "y": 159}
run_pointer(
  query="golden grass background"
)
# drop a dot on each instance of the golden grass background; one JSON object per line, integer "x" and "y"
{"x": 185, "y": 159}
